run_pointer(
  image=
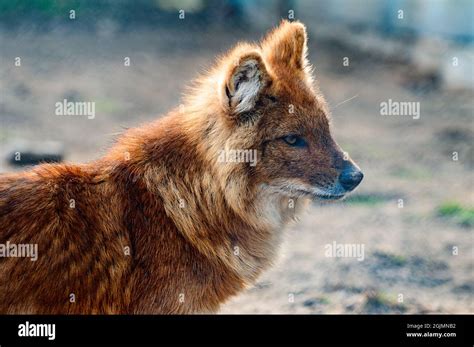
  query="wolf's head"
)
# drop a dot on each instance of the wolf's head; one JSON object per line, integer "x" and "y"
{"x": 268, "y": 103}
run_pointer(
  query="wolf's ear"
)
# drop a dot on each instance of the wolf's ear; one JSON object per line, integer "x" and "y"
{"x": 243, "y": 83}
{"x": 286, "y": 45}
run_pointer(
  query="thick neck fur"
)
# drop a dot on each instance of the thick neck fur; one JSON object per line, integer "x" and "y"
{"x": 210, "y": 203}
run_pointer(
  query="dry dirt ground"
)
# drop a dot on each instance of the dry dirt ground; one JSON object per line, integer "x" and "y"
{"x": 422, "y": 252}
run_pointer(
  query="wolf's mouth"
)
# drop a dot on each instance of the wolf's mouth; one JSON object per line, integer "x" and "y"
{"x": 328, "y": 197}
{"x": 318, "y": 196}
{"x": 313, "y": 193}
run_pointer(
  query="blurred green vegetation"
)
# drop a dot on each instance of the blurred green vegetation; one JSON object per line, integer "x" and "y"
{"x": 390, "y": 259}
{"x": 366, "y": 199}
{"x": 49, "y": 8}
{"x": 42, "y": 12}
{"x": 411, "y": 173}
{"x": 54, "y": 8}
{"x": 462, "y": 215}
{"x": 380, "y": 302}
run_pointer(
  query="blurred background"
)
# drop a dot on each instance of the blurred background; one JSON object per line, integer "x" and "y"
{"x": 414, "y": 212}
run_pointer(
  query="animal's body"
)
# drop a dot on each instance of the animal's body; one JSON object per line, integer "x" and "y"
{"x": 160, "y": 224}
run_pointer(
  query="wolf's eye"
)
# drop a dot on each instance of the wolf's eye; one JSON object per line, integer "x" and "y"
{"x": 294, "y": 141}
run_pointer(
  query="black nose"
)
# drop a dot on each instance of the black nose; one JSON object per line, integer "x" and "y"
{"x": 350, "y": 178}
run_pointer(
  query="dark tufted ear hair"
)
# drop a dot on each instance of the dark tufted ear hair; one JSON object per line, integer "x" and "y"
{"x": 243, "y": 83}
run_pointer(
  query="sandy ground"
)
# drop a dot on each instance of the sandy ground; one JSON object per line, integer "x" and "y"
{"x": 408, "y": 252}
